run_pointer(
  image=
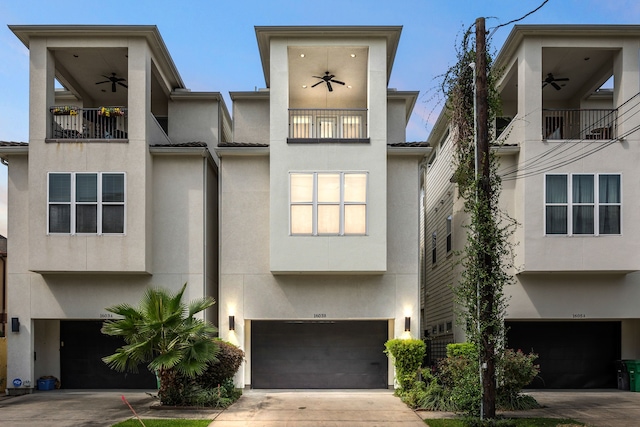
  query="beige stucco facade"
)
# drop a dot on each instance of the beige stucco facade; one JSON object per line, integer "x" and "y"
{"x": 562, "y": 277}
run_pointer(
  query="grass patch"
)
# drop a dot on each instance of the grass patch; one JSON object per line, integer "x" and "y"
{"x": 516, "y": 422}
{"x": 163, "y": 423}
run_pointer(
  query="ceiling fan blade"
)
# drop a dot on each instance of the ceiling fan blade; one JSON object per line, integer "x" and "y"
{"x": 317, "y": 83}
{"x": 555, "y": 85}
{"x": 544, "y": 85}
{"x": 318, "y": 77}
{"x": 564, "y": 79}
{"x": 329, "y": 86}
{"x": 113, "y": 87}
{"x": 123, "y": 85}
{"x": 106, "y": 81}
{"x": 337, "y": 81}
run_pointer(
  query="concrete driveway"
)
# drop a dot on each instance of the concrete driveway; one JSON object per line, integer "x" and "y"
{"x": 317, "y": 408}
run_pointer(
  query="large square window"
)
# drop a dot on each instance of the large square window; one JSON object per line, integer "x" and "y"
{"x": 328, "y": 203}
{"x": 86, "y": 203}
{"x": 582, "y": 204}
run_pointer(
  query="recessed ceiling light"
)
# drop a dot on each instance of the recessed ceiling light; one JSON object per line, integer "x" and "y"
{"x": 302, "y": 55}
{"x": 349, "y": 87}
{"x": 353, "y": 55}
{"x": 304, "y": 86}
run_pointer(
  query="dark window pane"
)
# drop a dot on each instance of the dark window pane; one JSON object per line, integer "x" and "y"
{"x": 583, "y": 220}
{"x": 609, "y": 220}
{"x": 112, "y": 219}
{"x": 59, "y": 187}
{"x": 609, "y": 188}
{"x": 86, "y": 219}
{"x": 556, "y": 189}
{"x": 86, "y": 187}
{"x": 113, "y": 187}
{"x": 59, "y": 218}
{"x": 583, "y": 189}
{"x": 556, "y": 219}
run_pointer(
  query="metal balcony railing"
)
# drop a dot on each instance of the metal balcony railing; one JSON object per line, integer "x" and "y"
{"x": 70, "y": 122}
{"x": 580, "y": 124}
{"x": 328, "y": 125}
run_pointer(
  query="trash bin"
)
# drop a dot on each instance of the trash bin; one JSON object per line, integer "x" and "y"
{"x": 623, "y": 375}
{"x": 633, "y": 366}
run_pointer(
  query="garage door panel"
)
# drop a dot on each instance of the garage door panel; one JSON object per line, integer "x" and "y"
{"x": 81, "y": 365}
{"x": 319, "y": 355}
{"x": 571, "y": 354}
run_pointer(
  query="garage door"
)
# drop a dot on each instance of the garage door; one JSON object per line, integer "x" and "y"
{"x": 572, "y": 354}
{"x": 318, "y": 355}
{"x": 82, "y": 348}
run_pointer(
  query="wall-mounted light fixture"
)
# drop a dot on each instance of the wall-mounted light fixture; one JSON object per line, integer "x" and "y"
{"x": 15, "y": 324}
{"x": 232, "y": 323}
{"x": 407, "y": 324}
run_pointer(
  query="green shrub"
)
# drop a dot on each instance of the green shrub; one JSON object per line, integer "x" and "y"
{"x": 230, "y": 358}
{"x": 515, "y": 371}
{"x": 408, "y": 355}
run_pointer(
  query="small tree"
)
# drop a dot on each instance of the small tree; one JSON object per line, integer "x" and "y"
{"x": 164, "y": 333}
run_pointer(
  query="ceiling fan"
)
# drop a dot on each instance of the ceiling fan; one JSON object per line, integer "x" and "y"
{"x": 552, "y": 81}
{"x": 327, "y": 78}
{"x": 113, "y": 80}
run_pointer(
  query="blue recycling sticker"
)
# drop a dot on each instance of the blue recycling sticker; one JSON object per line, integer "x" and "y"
{"x": 17, "y": 382}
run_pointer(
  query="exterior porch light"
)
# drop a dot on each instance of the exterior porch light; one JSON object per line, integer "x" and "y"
{"x": 15, "y": 324}
{"x": 407, "y": 324}
{"x": 232, "y": 323}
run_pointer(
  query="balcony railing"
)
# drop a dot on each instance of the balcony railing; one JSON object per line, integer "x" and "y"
{"x": 328, "y": 125}
{"x": 70, "y": 122}
{"x": 580, "y": 124}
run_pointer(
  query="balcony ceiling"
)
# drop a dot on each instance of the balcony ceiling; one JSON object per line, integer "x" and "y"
{"x": 586, "y": 68}
{"x": 348, "y": 64}
{"x": 79, "y": 69}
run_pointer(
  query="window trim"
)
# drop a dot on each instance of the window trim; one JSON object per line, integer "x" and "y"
{"x": 434, "y": 248}
{"x": 570, "y": 204}
{"x": 342, "y": 203}
{"x": 99, "y": 203}
{"x": 449, "y": 221}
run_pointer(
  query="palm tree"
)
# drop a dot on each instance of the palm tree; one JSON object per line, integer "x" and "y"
{"x": 163, "y": 333}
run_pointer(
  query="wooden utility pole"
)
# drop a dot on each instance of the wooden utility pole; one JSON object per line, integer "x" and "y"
{"x": 486, "y": 297}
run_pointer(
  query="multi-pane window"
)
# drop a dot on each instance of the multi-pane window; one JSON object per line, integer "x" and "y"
{"x": 86, "y": 203}
{"x": 328, "y": 203}
{"x": 583, "y": 204}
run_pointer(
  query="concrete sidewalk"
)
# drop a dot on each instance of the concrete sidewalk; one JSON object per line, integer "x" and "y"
{"x": 293, "y": 408}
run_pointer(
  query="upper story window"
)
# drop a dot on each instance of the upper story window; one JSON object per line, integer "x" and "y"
{"x": 328, "y": 203}
{"x": 449, "y": 231}
{"x": 85, "y": 203}
{"x": 583, "y": 204}
{"x": 434, "y": 248}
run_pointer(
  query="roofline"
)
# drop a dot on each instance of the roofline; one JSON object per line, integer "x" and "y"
{"x": 519, "y": 32}
{"x": 254, "y": 94}
{"x": 410, "y": 97}
{"x": 150, "y": 32}
{"x": 264, "y": 34}
{"x": 242, "y": 151}
{"x": 409, "y": 151}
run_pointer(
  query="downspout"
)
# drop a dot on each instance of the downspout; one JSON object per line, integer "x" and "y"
{"x": 4, "y": 294}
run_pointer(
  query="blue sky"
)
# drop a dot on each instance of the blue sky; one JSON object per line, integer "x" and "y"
{"x": 213, "y": 42}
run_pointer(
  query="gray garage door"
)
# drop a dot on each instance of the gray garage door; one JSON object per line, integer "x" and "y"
{"x": 572, "y": 355}
{"x": 82, "y": 348}
{"x": 318, "y": 355}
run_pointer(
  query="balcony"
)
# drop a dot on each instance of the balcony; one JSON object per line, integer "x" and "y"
{"x": 328, "y": 125}
{"x": 87, "y": 124}
{"x": 580, "y": 124}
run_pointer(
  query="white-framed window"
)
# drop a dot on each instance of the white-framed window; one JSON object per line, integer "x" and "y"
{"x": 449, "y": 233}
{"x": 301, "y": 126}
{"x": 351, "y": 127}
{"x": 583, "y": 204}
{"x": 328, "y": 203}
{"x": 86, "y": 203}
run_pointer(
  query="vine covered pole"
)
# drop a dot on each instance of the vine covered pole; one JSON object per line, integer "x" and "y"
{"x": 486, "y": 297}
